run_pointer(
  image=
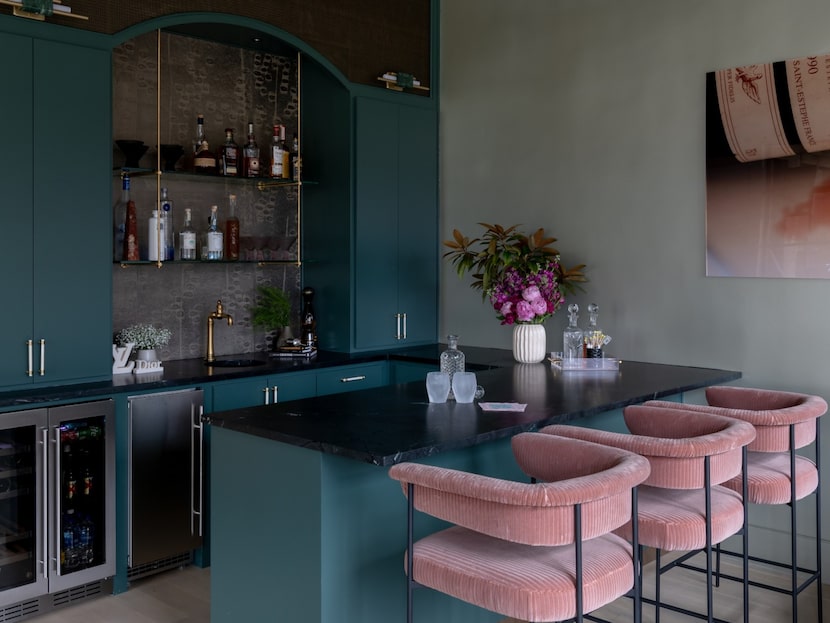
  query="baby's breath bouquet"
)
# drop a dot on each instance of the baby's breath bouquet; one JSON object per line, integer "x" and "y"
{"x": 143, "y": 336}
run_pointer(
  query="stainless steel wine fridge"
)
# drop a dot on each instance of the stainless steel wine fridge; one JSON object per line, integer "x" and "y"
{"x": 57, "y": 511}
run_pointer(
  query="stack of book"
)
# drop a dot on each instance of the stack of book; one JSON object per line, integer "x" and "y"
{"x": 298, "y": 350}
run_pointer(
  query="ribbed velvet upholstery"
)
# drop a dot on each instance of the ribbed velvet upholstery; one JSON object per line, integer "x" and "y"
{"x": 511, "y": 549}
{"x": 676, "y": 442}
{"x": 771, "y": 413}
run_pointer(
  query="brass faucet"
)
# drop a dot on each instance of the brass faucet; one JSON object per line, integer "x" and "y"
{"x": 215, "y": 315}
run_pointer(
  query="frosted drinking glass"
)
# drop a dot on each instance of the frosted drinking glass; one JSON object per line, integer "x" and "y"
{"x": 438, "y": 386}
{"x": 464, "y": 386}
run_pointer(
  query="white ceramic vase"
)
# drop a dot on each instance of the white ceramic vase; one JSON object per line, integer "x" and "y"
{"x": 146, "y": 354}
{"x": 529, "y": 343}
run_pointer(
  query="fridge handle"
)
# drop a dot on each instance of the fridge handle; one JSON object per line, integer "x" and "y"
{"x": 44, "y": 559}
{"x": 197, "y": 426}
{"x": 57, "y": 514}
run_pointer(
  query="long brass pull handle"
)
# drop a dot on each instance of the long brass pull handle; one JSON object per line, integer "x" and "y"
{"x": 29, "y": 370}
{"x": 42, "y": 357}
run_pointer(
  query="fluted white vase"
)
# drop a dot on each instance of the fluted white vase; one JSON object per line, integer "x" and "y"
{"x": 529, "y": 343}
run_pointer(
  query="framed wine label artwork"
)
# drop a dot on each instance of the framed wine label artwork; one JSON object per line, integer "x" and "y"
{"x": 768, "y": 170}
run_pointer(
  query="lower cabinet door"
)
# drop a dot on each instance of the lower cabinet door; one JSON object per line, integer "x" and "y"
{"x": 262, "y": 390}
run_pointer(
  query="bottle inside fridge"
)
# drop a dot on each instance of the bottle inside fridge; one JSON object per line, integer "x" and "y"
{"x": 82, "y": 466}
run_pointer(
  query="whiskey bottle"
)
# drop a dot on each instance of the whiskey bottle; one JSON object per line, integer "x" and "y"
{"x": 309, "y": 319}
{"x": 187, "y": 238}
{"x": 232, "y": 231}
{"x": 250, "y": 154}
{"x": 214, "y": 239}
{"x": 204, "y": 161}
{"x": 230, "y": 155}
{"x": 276, "y": 154}
{"x": 130, "y": 234}
{"x": 286, "y": 155}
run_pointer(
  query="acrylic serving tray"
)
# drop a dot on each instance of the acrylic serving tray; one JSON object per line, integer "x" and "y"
{"x": 587, "y": 364}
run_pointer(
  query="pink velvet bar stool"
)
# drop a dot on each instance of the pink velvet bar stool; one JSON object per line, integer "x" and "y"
{"x": 533, "y": 551}
{"x": 785, "y": 422}
{"x": 683, "y": 506}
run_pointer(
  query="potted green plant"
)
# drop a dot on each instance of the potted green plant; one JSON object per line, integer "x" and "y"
{"x": 272, "y": 310}
{"x": 145, "y": 339}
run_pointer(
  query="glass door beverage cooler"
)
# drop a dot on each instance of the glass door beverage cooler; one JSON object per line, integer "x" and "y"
{"x": 57, "y": 513}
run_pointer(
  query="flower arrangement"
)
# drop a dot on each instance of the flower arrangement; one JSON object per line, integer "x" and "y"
{"x": 144, "y": 336}
{"x": 521, "y": 274}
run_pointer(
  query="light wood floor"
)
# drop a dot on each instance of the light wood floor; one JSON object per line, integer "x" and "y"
{"x": 177, "y": 596}
{"x": 183, "y": 596}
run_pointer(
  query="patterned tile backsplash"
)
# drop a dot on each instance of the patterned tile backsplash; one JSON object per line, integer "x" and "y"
{"x": 229, "y": 86}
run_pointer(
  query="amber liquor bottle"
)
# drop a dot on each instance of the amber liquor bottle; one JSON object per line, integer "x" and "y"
{"x": 229, "y": 155}
{"x": 232, "y": 231}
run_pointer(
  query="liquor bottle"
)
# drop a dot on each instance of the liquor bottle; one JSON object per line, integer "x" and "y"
{"x": 294, "y": 159}
{"x": 572, "y": 337}
{"x": 230, "y": 155}
{"x": 232, "y": 231}
{"x": 309, "y": 319}
{"x": 204, "y": 161}
{"x": 167, "y": 218}
{"x": 250, "y": 154}
{"x": 276, "y": 154}
{"x": 130, "y": 234}
{"x": 452, "y": 360}
{"x": 200, "y": 135}
{"x": 214, "y": 239}
{"x": 119, "y": 218}
{"x": 286, "y": 155}
{"x": 187, "y": 238}
{"x": 155, "y": 237}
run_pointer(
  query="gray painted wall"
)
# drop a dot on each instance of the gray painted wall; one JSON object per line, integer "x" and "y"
{"x": 586, "y": 117}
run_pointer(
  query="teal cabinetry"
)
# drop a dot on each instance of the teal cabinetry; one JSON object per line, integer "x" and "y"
{"x": 57, "y": 293}
{"x": 264, "y": 389}
{"x": 396, "y": 223}
{"x": 351, "y": 378}
{"x": 407, "y": 371}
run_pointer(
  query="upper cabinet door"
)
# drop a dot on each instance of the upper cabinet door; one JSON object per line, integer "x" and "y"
{"x": 72, "y": 212}
{"x": 16, "y": 170}
{"x": 396, "y": 160}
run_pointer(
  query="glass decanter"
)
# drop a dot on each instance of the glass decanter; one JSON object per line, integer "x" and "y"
{"x": 572, "y": 336}
{"x": 452, "y": 360}
{"x": 594, "y": 337}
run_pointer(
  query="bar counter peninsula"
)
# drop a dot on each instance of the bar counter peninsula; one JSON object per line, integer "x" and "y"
{"x": 307, "y": 526}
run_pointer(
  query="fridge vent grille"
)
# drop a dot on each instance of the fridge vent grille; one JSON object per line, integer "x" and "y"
{"x": 86, "y": 591}
{"x": 20, "y": 611}
{"x": 157, "y": 566}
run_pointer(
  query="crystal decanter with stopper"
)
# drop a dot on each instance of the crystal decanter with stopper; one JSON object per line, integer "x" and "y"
{"x": 572, "y": 336}
{"x": 594, "y": 338}
{"x": 452, "y": 360}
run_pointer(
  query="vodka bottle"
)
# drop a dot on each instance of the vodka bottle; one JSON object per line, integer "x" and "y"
{"x": 572, "y": 336}
{"x": 452, "y": 360}
{"x": 232, "y": 231}
{"x": 187, "y": 238}
{"x": 214, "y": 240}
{"x": 155, "y": 237}
{"x": 167, "y": 218}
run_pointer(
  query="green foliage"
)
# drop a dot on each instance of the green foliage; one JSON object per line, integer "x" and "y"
{"x": 500, "y": 248}
{"x": 272, "y": 309}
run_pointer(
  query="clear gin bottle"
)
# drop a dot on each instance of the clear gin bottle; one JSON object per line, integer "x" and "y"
{"x": 452, "y": 360}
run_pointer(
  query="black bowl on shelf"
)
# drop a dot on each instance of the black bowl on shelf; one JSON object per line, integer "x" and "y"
{"x": 170, "y": 155}
{"x": 133, "y": 151}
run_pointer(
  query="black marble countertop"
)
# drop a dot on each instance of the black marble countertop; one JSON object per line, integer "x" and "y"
{"x": 391, "y": 424}
{"x": 189, "y": 372}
